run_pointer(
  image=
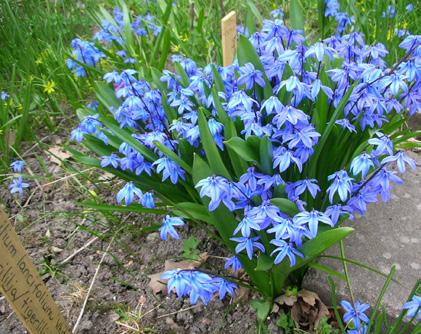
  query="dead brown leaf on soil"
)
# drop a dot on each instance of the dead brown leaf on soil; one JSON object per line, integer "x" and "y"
{"x": 306, "y": 308}
{"x": 57, "y": 155}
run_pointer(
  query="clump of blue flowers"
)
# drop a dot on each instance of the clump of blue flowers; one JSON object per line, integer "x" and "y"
{"x": 197, "y": 285}
{"x": 273, "y": 152}
{"x": 356, "y": 320}
{"x": 117, "y": 40}
{"x": 18, "y": 184}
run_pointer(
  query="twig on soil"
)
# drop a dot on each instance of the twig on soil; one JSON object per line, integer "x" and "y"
{"x": 67, "y": 177}
{"x": 179, "y": 311}
{"x": 82, "y": 311}
{"x": 76, "y": 252}
{"x": 75, "y": 230}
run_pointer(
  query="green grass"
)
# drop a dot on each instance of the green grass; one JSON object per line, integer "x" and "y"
{"x": 35, "y": 35}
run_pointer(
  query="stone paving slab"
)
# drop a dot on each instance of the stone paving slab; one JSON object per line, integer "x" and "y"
{"x": 389, "y": 234}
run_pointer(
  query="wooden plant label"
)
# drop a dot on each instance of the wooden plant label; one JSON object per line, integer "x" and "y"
{"x": 229, "y": 37}
{"x": 22, "y": 286}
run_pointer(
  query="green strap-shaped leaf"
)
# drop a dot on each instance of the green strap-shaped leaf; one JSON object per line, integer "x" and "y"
{"x": 106, "y": 95}
{"x": 265, "y": 150}
{"x": 285, "y": 205}
{"x": 326, "y": 133}
{"x": 165, "y": 47}
{"x": 296, "y": 17}
{"x": 242, "y": 148}
{"x": 116, "y": 208}
{"x": 194, "y": 210}
{"x": 327, "y": 270}
{"x": 173, "y": 156}
{"x": 182, "y": 73}
{"x": 264, "y": 262}
{"x": 262, "y": 308}
{"x": 165, "y": 15}
{"x": 212, "y": 152}
{"x": 223, "y": 117}
{"x": 219, "y": 83}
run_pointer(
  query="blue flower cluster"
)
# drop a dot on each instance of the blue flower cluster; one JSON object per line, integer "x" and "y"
{"x": 273, "y": 101}
{"x": 18, "y": 184}
{"x": 113, "y": 31}
{"x": 197, "y": 285}
{"x": 92, "y": 126}
{"x": 85, "y": 53}
{"x": 357, "y": 321}
{"x": 355, "y": 318}
{"x": 332, "y": 10}
{"x": 4, "y": 95}
{"x": 111, "y": 34}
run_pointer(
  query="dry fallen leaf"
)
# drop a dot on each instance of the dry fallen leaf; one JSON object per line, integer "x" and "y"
{"x": 287, "y": 300}
{"x": 57, "y": 155}
{"x": 306, "y": 308}
{"x": 156, "y": 284}
{"x": 242, "y": 294}
{"x": 308, "y": 296}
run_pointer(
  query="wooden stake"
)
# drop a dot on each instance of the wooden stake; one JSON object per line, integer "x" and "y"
{"x": 23, "y": 288}
{"x": 229, "y": 37}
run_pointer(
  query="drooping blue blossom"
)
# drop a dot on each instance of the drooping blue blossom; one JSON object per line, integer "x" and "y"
{"x": 234, "y": 263}
{"x": 128, "y": 193}
{"x": 147, "y": 200}
{"x": 362, "y": 164}
{"x": 4, "y": 95}
{"x": 17, "y": 166}
{"x": 168, "y": 227}
{"x": 299, "y": 187}
{"x": 217, "y": 189}
{"x": 311, "y": 220}
{"x": 272, "y": 105}
{"x": 108, "y": 160}
{"x": 342, "y": 185}
{"x": 169, "y": 169}
{"x": 383, "y": 145}
{"x": 248, "y": 244}
{"x": 18, "y": 185}
{"x": 401, "y": 159}
{"x": 390, "y": 12}
{"x": 355, "y": 313}
{"x": 224, "y": 287}
{"x": 334, "y": 212}
{"x": 249, "y": 76}
{"x": 413, "y": 308}
{"x": 383, "y": 180}
{"x": 282, "y": 158}
{"x": 345, "y": 124}
{"x": 284, "y": 249}
{"x": 246, "y": 226}
{"x": 285, "y": 228}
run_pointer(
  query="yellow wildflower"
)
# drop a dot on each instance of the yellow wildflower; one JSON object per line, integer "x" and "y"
{"x": 49, "y": 87}
{"x": 176, "y": 48}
